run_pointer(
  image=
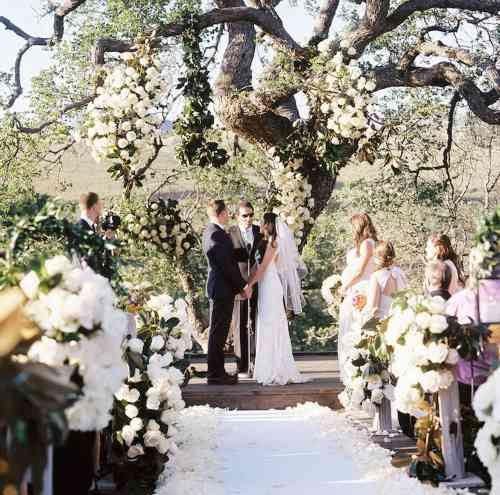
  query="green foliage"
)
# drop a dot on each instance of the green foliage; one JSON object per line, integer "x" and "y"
{"x": 196, "y": 119}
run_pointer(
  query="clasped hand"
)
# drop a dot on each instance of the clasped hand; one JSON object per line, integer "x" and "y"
{"x": 246, "y": 293}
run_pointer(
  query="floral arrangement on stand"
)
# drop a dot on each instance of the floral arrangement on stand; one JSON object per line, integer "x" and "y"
{"x": 370, "y": 378}
{"x": 487, "y": 408}
{"x": 148, "y": 402}
{"x": 123, "y": 122}
{"x": 34, "y": 398}
{"x": 83, "y": 332}
{"x": 159, "y": 224}
{"x": 426, "y": 346}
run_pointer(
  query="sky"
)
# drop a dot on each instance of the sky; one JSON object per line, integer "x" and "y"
{"x": 27, "y": 15}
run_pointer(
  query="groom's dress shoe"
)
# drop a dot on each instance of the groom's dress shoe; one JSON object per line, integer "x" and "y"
{"x": 223, "y": 380}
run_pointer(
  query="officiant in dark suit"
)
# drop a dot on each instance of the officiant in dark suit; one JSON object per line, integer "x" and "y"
{"x": 246, "y": 238}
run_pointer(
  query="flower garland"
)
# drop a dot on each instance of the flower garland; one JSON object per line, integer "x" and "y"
{"x": 122, "y": 129}
{"x": 484, "y": 257}
{"x": 160, "y": 224}
{"x": 196, "y": 118}
{"x": 83, "y": 333}
{"x": 293, "y": 195}
{"x": 148, "y": 402}
{"x": 487, "y": 408}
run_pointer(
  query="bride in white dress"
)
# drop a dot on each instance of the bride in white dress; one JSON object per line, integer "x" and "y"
{"x": 279, "y": 289}
{"x": 356, "y": 275}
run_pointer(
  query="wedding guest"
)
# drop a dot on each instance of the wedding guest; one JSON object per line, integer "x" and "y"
{"x": 385, "y": 281}
{"x": 464, "y": 306}
{"x": 90, "y": 211}
{"x": 439, "y": 248}
{"x": 359, "y": 268}
{"x": 438, "y": 279}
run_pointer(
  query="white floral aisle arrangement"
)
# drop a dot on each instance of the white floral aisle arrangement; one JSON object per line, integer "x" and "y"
{"x": 370, "y": 381}
{"x": 83, "y": 332}
{"x": 147, "y": 404}
{"x": 160, "y": 225}
{"x": 487, "y": 408}
{"x": 123, "y": 122}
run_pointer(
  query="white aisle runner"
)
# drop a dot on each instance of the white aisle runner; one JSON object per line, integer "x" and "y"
{"x": 307, "y": 450}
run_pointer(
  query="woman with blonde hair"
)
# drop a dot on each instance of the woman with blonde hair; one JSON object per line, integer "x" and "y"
{"x": 357, "y": 273}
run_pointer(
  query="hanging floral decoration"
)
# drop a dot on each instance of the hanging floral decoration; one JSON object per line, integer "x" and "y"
{"x": 149, "y": 400}
{"x": 159, "y": 224}
{"x": 293, "y": 195}
{"x": 83, "y": 332}
{"x": 196, "y": 120}
{"x": 330, "y": 291}
{"x": 122, "y": 128}
{"x": 484, "y": 257}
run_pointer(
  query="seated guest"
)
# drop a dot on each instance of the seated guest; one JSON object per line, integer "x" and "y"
{"x": 438, "y": 279}
{"x": 464, "y": 306}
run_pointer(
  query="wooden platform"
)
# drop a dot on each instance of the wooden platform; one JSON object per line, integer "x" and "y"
{"x": 323, "y": 388}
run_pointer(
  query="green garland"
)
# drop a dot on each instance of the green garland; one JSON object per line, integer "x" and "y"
{"x": 196, "y": 119}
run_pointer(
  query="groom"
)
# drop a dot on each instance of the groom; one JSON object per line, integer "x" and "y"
{"x": 223, "y": 283}
{"x": 246, "y": 238}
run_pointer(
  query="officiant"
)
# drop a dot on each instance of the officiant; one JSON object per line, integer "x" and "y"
{"x": 246, "y": 238}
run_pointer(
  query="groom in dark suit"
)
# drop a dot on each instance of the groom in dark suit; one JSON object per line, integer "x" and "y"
{"x": 246, "y": 238}
{"x": 223, "y": 283}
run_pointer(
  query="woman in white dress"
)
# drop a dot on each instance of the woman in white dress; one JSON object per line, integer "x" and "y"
{"x": 439, "y": 247}
{"x": 384, "y": 282}
{"x": 359, "y": 268}
{"x": 279, "y": 290}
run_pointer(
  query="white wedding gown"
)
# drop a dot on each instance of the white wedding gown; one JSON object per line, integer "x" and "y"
{"x": 274, "y": 363}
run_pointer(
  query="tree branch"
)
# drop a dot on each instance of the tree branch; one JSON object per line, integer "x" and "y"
{"x": 441, "y": 75}
{"x": 61, "y": 12}
{"x": 323, "y": 21}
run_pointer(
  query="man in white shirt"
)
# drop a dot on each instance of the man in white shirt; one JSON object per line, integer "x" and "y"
{"x": 246, "y": 239}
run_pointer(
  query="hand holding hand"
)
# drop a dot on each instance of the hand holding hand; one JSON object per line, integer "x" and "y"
{"x": 247, "y": 290}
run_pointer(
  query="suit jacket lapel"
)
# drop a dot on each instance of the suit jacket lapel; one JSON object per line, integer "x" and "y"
{"x": 240, "y": 237}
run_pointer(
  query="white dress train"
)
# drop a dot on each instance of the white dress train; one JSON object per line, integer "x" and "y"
{"x": 274, "y": 363}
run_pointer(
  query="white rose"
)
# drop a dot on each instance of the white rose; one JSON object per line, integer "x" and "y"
{"x": 131, "y": 136}
{"x": 128, "y": 434}
{"x": 153, "y": 425}
{"x": 137, "y": 424}
{"x": 370, "y": 86}
{"x": 126, "y": 126}
{"x": 29, "y": 285}
{"x": 131, "y": 411}
{"x": 135, "y": 451}
{"x": 324, "y": 46}
{"x": 438, "y": 323}
{"x": 437, "y": 352}
{"x": 136, "y": 345}
{"x": 57, "y": 264}
{"x": 163, "y": 445}
{"x": 436, "y": 305}
{"x": 157, "y": 343}
{"x": 430, "y": 381}
{"x": 122, "y": 143}
{"x": 153, "y": 403}
{"x": 423, "y": 320}
{"x": 152, "y": 438}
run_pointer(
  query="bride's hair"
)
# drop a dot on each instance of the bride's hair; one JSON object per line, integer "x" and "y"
{"x": 269, "y": 227}
{"x": 445, "y": 251}
{"x": 362, "y": 229}
{"x": 384, "y": 254}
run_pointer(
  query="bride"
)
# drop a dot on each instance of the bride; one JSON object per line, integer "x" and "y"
{"x": 279, "y": 289}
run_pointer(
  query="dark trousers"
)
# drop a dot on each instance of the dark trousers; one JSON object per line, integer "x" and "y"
{"x": 243, "y": 359}
{"x": 74, "y": 464}
{"x": 221, "y": 313}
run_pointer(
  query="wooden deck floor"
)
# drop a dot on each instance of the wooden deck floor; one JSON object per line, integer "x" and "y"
{"x": 323, "y": 388}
